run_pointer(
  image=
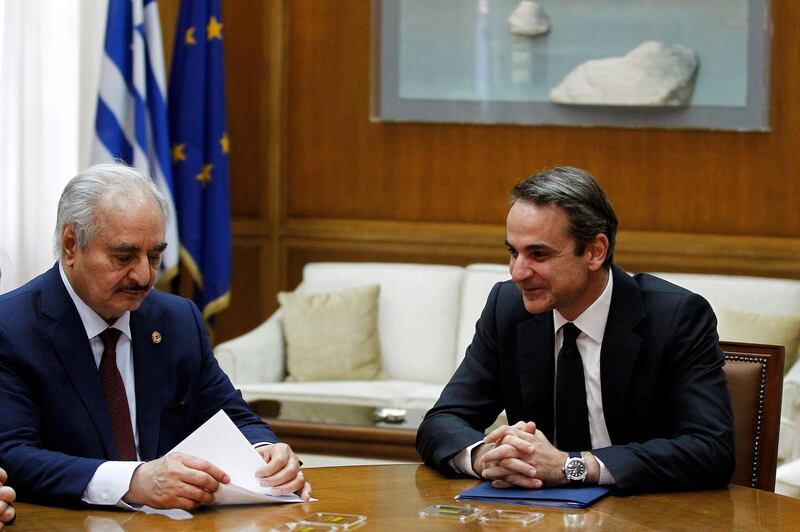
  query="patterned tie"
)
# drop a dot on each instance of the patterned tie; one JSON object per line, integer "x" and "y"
{"x": 572, "y": 414}
{"x": 116, "y": 400}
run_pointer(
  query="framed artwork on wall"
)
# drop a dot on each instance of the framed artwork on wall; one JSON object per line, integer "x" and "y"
{"x": 693, "y": 64}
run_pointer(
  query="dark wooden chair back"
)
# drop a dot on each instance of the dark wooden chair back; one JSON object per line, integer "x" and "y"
{"x": 755, "y": 379}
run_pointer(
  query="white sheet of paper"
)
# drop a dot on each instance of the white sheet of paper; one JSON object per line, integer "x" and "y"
{"x": 220, "y": 442}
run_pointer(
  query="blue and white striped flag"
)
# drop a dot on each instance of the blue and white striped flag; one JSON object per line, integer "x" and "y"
{"x": 131, "y": 123}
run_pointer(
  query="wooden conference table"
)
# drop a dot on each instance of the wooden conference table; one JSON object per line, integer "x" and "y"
{"x": 391, "y": 495}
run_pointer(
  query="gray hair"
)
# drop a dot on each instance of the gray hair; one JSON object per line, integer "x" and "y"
{"x": 579, "y": 194}
{"x": 83, "y": 193}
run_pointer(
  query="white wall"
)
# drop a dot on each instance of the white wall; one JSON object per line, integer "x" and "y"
{"x": 49, "y": 68}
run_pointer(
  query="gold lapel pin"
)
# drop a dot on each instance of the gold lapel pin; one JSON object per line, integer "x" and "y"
{"x": 156, "y": 337}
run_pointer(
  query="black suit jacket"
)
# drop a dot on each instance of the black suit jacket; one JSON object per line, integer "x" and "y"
{"x": 665, "y": 397}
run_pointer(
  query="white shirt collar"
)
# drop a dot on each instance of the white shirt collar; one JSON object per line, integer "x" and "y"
{"x": 592, "y": 321}
{"x": 92, "y": 322}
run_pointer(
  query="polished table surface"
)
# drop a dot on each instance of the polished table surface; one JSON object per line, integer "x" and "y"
{"x": 391, "y": 495}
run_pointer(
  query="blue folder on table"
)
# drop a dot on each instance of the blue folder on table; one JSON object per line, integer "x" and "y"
{"x": 558, "y": 497}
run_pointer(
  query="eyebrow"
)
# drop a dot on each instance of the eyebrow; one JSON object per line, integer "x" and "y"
{"x": 532, "y": 247}
{"x": 130, "y": 248}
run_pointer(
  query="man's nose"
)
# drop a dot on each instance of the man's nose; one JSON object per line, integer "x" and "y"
{"x": 520, "y": 269}
{"x": 140, "y": 272}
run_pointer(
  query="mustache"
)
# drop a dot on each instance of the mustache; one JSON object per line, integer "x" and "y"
{"x": 135, "y": 288}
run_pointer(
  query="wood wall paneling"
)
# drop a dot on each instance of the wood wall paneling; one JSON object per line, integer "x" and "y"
{"x": 314, "y": 179}
{"x": 317, "y": 240}
{"x": 252, "y": 292}
{"x": 341, "y": 165}
{"x": 310, "y": 240}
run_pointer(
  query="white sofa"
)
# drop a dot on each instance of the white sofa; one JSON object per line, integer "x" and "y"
{"x": 427, "y": 316}
{"x": 420, "y": 326}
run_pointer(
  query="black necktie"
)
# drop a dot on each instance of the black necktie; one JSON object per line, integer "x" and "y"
{"x": 116, "y": 400}
{"x": 572, "y": 414}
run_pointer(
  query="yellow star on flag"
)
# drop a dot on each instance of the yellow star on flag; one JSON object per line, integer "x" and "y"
{"x": 177, "y": 152}
{"x": 223, "y": 142}
{"x": 189, "y": 38}
{"x": 214, "y": 28}
{"x": 205, "y": 175}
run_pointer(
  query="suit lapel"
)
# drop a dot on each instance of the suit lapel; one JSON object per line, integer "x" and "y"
{"x": 621, "y": 347}
{"x": 535, "y": 360}
{"x": 147, "y": 360}
{"x": 63, "y": 326}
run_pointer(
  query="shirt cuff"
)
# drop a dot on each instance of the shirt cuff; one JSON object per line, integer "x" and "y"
{"x": 462, "y": 462}
{"x": 606, "y": 478}
{"x": 110, "y": 483}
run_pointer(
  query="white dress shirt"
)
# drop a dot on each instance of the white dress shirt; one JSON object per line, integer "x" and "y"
{"x": 112, "y": 480}
{"x": 592, "y": 323}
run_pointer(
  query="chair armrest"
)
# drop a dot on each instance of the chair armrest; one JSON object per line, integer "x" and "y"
{"x": 256, "y": 356}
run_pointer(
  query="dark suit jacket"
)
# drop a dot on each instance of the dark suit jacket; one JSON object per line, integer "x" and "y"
{"x": 54, "y": 427}
{"x": 665, "y": 397}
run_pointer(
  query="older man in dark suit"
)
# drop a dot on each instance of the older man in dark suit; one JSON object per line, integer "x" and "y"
{"x": 100, "y": 376}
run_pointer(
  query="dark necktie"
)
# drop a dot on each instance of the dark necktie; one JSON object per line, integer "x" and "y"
{"x": 116, "y": 400}
{"x": 572, "y": 414}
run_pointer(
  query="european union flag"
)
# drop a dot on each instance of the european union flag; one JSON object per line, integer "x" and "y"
{"x": 199, "y": 136}
{"x": 131, "y": 121}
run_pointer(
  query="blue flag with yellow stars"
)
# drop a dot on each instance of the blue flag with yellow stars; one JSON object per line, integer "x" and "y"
{"x": 198, "y": 133}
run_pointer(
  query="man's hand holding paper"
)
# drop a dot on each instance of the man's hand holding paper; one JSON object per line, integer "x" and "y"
{"x": 176, "y": 480}
{"x": 218, "y": 441}
{"x": 281, "y": 471}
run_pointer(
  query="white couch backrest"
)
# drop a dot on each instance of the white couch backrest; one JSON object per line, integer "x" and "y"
{"x": 478, "y": 282}
{"x": 418, "y": 312}
{"x": 749, "y": 294}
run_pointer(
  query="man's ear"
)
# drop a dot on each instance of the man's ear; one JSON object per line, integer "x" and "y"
{"x": 598, "y": 250}
{"x": 69, "y": 245}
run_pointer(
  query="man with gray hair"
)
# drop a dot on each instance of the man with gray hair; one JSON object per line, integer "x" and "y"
{"x": 100, "y": 375}
{"x": 605, "y": 378}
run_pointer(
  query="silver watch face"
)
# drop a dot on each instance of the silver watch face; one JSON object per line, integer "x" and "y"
{"x": 575, "y": 468}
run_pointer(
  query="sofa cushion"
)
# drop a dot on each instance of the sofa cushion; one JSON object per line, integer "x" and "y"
{"x": 332, "y": 335}
{"x": 740, "y": 326}
{"x": 419, "y": 308}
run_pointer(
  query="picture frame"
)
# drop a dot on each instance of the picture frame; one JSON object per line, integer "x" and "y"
{"x": 457, "y": 61}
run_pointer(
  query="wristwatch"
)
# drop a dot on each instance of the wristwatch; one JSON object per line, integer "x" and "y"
{"x": 575, "y": 469}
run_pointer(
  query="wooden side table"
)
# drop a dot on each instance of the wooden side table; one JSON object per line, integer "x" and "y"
{"x": 343, "y": 430}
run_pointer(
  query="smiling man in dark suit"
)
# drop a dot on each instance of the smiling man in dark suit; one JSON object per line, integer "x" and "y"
{"x": 605, "y": 378}
{"x": 100, "y": 376}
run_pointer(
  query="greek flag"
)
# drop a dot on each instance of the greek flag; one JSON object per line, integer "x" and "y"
{"x": 199, "y": 136}
{"x": 131, "y": 122}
